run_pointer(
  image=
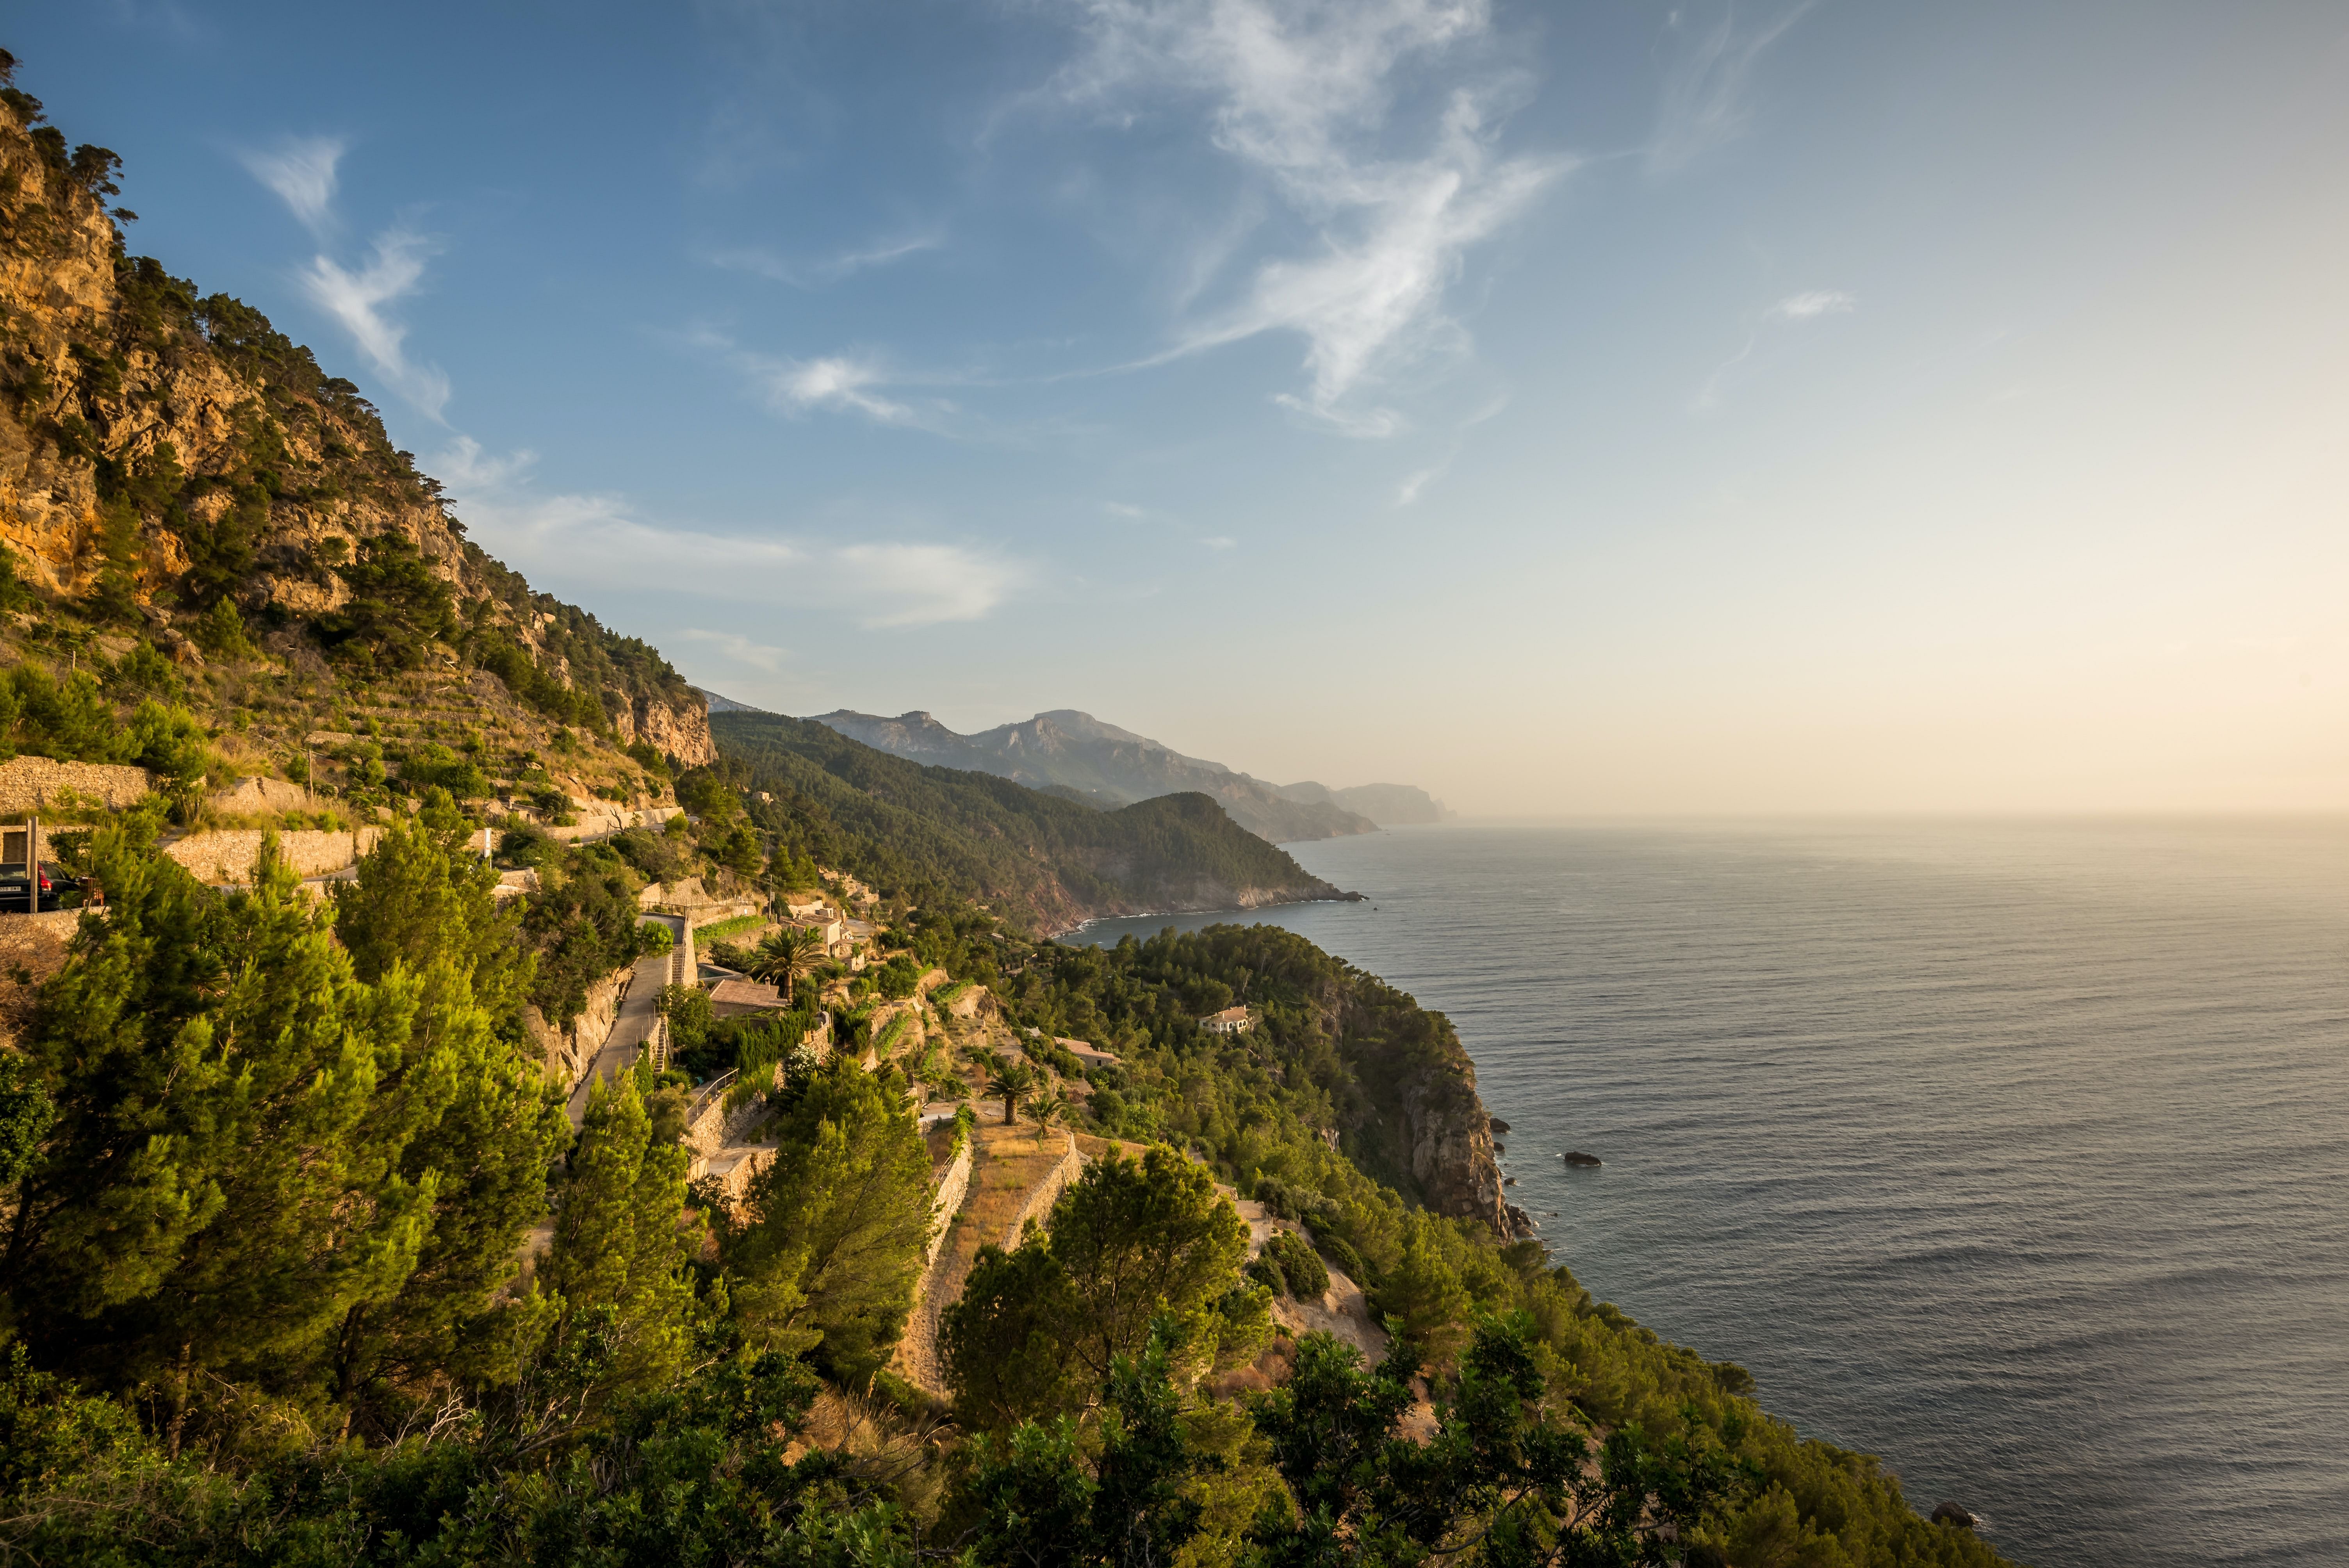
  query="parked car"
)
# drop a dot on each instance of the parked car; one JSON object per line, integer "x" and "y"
{"x": 18, "y": 894}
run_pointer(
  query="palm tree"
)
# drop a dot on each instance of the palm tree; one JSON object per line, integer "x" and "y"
{"x": 1013, "y": 1082}
{"x": 786, "y": 955}
{"x": 1047, "y": 1109}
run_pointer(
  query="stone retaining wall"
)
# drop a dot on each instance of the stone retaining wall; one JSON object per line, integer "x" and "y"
{"x": 1045, "y": 1193}
{"x": 715, "y": 1127}
{"x": 952, "y": 1189}
{"x": 32, "y": 946}
{"x": 28, "y": 783}
{"x": 567, "y": 1053}
{"x": 228, "y": 856}
{"x": 598, "y": 818}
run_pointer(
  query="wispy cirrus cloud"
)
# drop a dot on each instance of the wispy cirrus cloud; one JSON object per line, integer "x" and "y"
{"x": 1302, "y": 94}
{"x": 836, "y": 381}
{"x": 741, "y": 649}
{"x": 358, "y": 299}
{"x": 920, "y": 585}
{"x": 598, "y": 538}
{"x": 852, "y": 382}
{"x": 1705, "y": 102}
{"x": 301, "y": 171}
{"x": 1813, "y": 303}
{"x": 811, "y": 274}
{"x": 1794, "y": 310}
{"x": 1415, "y": 484}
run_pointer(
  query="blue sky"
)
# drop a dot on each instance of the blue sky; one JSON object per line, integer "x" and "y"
{"x": 1602, "y": 408}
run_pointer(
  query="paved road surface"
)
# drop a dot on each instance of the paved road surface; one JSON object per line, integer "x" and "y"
{"x": 638, "y": 1009}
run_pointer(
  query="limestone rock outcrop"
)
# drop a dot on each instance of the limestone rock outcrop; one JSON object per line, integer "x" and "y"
{"x": 163, "y": 451}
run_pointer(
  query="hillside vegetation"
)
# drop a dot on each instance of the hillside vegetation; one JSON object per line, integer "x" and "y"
{"x": 1078, "y": 754}
{"x": 1045, "y": 862}
{"x": 269, "y": 1168}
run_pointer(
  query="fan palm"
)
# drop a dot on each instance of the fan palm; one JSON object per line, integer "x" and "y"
{"x": 1013, "y": 1082}
{"x": 786, "y": 956}
{"x": 1047, "y": 1109}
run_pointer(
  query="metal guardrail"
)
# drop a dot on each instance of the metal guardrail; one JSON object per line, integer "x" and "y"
{"x": 707, "y": 1092}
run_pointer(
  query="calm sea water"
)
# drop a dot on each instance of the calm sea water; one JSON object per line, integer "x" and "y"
{"x": 2017, "y": 1154}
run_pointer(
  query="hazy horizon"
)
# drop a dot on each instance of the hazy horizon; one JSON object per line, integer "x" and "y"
{"x": 1608, "y": 412}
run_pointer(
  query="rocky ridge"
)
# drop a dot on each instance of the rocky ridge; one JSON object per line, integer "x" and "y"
{"x": 162, "y": 452}
{"x": 1101, "y": 763}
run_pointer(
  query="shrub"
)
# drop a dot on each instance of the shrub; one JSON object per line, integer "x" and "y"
{"x": 434, "y": 766}
{"x": 220, "y": 631}
{"x": 1339, "y": 1251}
{"x": 1299, "y": 1267}
{"x": 897, "y": 978}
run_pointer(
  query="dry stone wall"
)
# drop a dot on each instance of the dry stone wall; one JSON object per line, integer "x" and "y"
{"x": 230, "y": 856}
{"x": 31, "y": 783}
{"x": 32, "y": 948}
{"x": 953, "y": 1187}
{"x": 567, "y": 1053}
{"x": 1045, "y": 1193}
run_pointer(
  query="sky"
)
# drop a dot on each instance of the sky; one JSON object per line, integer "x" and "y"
{"x": 1570, "y": 409}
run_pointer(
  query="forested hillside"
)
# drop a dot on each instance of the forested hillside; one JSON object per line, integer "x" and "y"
{"x": 272, "y": 1171}
{"x": 1078, "y": 754}
{"x": 1045, "y": 862}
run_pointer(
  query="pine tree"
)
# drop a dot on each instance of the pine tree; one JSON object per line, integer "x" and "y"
{"x": 423, "y": 895}
{"x": 421, "y": 901}
{"x": 835, "y": 1225}
{"x": 623, "y": 1241}
{"x": 224, "y": 1179}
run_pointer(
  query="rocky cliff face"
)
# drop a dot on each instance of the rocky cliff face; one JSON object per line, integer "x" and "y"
{"x": 1419, "y": 1125}
{"x": 162, "y": 452}
{"x": 1451, "y": 1142}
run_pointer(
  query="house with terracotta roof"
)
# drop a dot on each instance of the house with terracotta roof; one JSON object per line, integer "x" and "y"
{"x": 737, "y": 995}
{"x": 1085, "y": 1051}
{"x": 1230, "y": 1021}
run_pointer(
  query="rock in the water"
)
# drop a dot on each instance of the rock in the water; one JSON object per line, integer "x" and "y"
{"x": 1950, "y": 1514}
{"x": 1508, "y": 1180}
{"x": 1576, "y": 1157}
{"x": 1521, "y": 1224}
{"x": 1498, "y": 1125}
{"x": 1499, "y": 1147}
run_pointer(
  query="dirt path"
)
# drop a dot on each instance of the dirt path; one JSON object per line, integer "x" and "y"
{"x": 1014, "y": 1178}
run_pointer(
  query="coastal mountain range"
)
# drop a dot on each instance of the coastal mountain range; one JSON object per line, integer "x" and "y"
{"x": 1073, "y": 753}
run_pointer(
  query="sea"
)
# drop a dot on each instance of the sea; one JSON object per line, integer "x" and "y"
{"x": 2015, "y": 1153}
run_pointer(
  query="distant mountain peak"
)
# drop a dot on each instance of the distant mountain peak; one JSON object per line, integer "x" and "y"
{"x": 719, "y": 704}
{"x": 1068, "y": 750}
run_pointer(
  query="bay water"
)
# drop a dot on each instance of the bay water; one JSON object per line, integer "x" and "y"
{"x": 2016, "y": 1154}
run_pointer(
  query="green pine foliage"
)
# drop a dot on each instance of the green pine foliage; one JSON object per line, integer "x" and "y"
{"x": 1039, "y": 1329}
{"x": 829, "y": 1244}
{"x": 582, "y": 927}
{"x": 237, "y": 1201}
{"x": 120, "y": 714}
{"x": 618, "y": 1277}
